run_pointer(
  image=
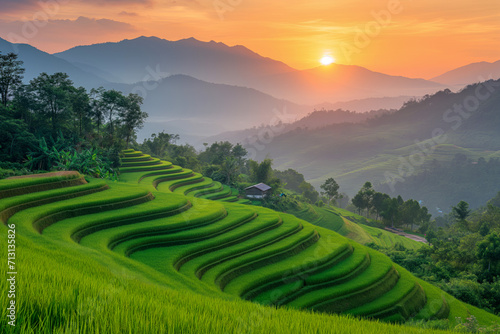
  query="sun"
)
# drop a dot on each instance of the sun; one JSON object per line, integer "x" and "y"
{"x": 327, "y": 60}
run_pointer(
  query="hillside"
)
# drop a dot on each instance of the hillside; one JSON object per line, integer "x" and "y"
{"x": 380, "y": 150}
{"x": 156, "y": 256}
{"x": 287, "y": 122}
{"x": 178, "y": 104}
{"x": 194, "y": 108}
{"x": 470, "y": 73}
{"x": 351, "y": 225}
{"x": 37, "y": 61}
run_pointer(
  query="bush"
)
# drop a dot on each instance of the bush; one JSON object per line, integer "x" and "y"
{"x": 60, "y": 155}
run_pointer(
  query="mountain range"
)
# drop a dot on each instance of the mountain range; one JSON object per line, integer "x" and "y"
{"x": 134, "y": 60}
{"x": 389, "y": 148}
{"x": 198, "y": 89}
{"x": 470, "y": 73}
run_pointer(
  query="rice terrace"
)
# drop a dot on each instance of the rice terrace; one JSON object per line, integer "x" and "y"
{"x": 168, "y": 250}
{"x": 249, "y": 167}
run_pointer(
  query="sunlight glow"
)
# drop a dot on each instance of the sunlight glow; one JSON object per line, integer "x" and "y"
{"x": 327, "y": 60}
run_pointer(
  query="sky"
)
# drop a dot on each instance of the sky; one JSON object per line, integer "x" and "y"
{"x": 413, "y": 38}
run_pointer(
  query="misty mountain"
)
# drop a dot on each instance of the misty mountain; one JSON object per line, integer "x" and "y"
{"x": 152, "y": 58}
{"x": 314, "y": 120}
{"x": 395, "y": 146}
{"x": 337, "y": 82}
{"x": 177, "y": 104}
{"x": 37, "y": 61}
{"x": 195, "y": 108}
{"x": 468, "y": 74}
{"x": 368, "y": 104}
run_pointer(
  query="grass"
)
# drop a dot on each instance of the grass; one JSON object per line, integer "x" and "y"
{"x": 110, "y": 298}
{"x": 163, "y": 176}
{"x": 129, "y": 259}
{"x": 345, "y": 223}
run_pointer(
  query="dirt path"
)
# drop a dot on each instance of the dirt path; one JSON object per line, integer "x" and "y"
{"x": 409, "y": 236}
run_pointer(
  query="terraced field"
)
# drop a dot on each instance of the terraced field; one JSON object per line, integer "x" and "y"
{"x": 162, "y": 175}
{"x": 155, "y": 228}
{"x": 347, "y": 224}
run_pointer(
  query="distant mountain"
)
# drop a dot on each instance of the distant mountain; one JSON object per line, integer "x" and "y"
{"x": 368, "y": 104}
{"x": 150, "y": 58}
{"x": 177, "y": 104}
{"x": 195, "y": 108}
{"x": 37, "y": 61}
{"x": 338, "y": 82}
{"x": 397, "y": 145}
{"x": 314, "y": 120}
{"x": 471, "y": 73}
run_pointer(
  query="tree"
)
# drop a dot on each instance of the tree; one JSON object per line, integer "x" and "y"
{"x": 390, "y": 210}
{"x": 113, "y": 102}
{"x": 358, "y": 202}
{"x": 308, "y": 192}
{"x": 460, "y": 213}
{"x": 230, "y": 169}
{"x": 184, "y": 155}
{"x": 80, "y": 104}
{"x": 377, "y": 202}
{"x": 15, "y": 139}
{"x": 410, "y": 212}
{"x": 158, "y": 144}
{"x": 51, "y": 94}
{"x": 131, "y": 115}
{"x": 363, "y": 198}
{"x": 495, "y": 201}
{"x": 97, "y": 106}
{"x": 331, "y": 188}
{"x": 290, "y": 178}
{"x": 261, "y": 173}
{"x": 488, "y": 250}
{"x": 11, "y": 75}
{"x": 239, "y": 153}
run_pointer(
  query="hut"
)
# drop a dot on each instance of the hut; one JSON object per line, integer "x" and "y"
{"x": 259, "y": 190}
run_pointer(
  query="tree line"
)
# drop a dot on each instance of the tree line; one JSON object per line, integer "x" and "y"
{"x": 50, "y": 106}
{"x": 463, "y": 255}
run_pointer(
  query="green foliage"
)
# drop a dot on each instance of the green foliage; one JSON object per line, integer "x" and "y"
{"x": 239, "y": 248}
{"x": 495, "y": 201}
{"x": 51, "y": 97}
{"x": 444, "y": 184}
{"x": 51, "y": 106}
{"x": 488, "y": 251}
{"x": 11, "y": 75}
{"x": 363, "y": 199}
{"x": 461, "y": 211}
{"x": 61, "y": 155}
{"x": 15, "y": 139}
{"x": 331, "y": 188}
{"x": 290, "y": 179}
{"x": 308, "y": 192}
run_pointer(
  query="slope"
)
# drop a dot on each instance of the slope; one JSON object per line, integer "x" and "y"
{"x": 398, "y": 144}
{"x": 351, "y": 225}
{"x": 154, "y": 250}
{"x": 36, "y": 62}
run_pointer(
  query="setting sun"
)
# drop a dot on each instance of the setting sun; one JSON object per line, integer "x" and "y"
{"x": 327, "y": 60}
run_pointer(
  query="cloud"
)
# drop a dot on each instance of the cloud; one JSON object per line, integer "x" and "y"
{"x": 55, "y": 35}
{"x": 124, "y": 13}
{"x": 25, "y": 6}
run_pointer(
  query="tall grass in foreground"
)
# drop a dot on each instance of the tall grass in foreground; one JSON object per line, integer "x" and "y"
{"x": 64, "y": 292}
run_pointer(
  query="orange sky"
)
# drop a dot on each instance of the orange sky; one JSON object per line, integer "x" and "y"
{"x": 413, "y": 38}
